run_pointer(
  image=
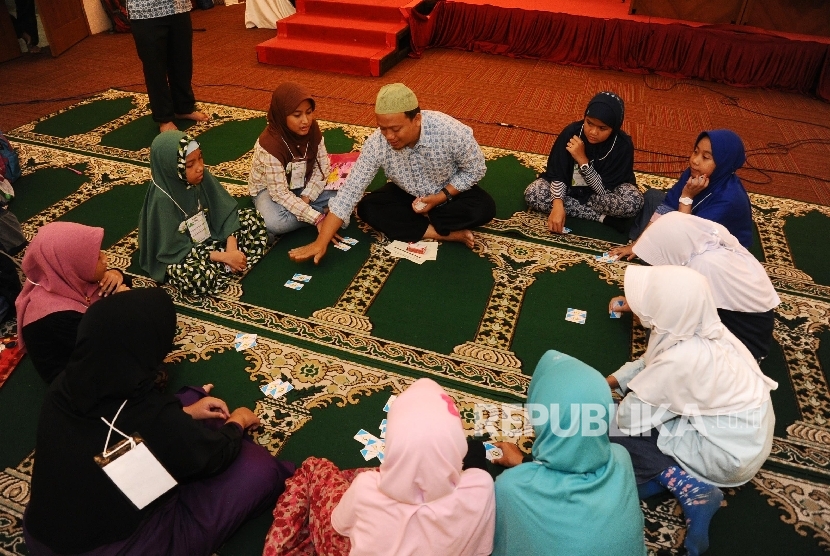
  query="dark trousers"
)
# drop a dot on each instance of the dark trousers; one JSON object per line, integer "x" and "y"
{"x": 165, "y": 47}
{"x": 26, "y": 21}
{"x": 389, "y": 210}
{"x": 652, "y": 199}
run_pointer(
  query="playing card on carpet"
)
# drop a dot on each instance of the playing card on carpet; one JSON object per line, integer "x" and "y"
{"x": 383, "y": 429}
{"x": 616, "y": 314}
{"x": 576, "y": 315}
{"x": 349, "y": 241}
{"x": 566, "y": 230}
{"x": 606, "y": 258}
{"x": 301, "y": 278}
{"x": 342, "y": 246}
{"x": 365, "y": 437}
{"x": 294, "y": 285}
{"x": 389, "y": 402}
{"x": 277, "y": 388}
{"x": 244, "y": 341}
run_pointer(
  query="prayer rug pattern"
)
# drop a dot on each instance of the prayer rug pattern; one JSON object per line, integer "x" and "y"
{"x": 368, "y": 324}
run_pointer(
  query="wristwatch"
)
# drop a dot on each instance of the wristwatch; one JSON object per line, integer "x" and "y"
{"x": 446, "y": 192}
{"x": 584, "y": 167}
{"x": 686, "y": 201}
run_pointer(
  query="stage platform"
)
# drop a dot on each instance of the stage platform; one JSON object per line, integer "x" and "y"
{"x": 602, "y": 34}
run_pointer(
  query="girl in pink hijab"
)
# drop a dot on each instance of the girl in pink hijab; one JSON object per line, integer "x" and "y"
{"x": 419, "y": 501}
{"x": 66, "y": 272}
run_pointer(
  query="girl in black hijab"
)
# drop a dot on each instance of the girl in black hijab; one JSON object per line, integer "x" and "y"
{"x": 222, "y": 479}
{"x": 590, "y": 171}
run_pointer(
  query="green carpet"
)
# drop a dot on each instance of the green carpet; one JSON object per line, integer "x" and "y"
{"x": 367, "y": 324}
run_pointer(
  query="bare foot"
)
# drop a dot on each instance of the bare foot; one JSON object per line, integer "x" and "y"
{"x": 461, "y": 236}
{"x": 207, "y": 388}
{"x": 167, "y": 126}
{"x": 195, "y": 116}
{"x": 33, "y": 49}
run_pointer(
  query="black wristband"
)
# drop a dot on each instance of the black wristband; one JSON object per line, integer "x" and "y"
{"x": 447, "y": 193}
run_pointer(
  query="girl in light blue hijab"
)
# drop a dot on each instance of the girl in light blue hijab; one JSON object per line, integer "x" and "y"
{"x": 578, "y": 496}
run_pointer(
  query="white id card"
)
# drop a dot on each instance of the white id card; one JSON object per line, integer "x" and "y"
{"x": 578, "y": 180}
{"x": 198, "y": 227}
{"x": 139, "y": 475}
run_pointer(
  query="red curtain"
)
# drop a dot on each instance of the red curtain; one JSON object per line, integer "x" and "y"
{"x": 712, "y": 53}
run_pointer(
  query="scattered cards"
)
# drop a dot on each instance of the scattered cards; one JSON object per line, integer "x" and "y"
{"x": 277, "y": 388}
{"x": 566, "y": 230}
{"x": 349, "y": 241}
{"x": 301, "y": 278}
{"x": 417, "y": 248}
{"x": 389, "y": 402}
{"x": 294, "y": 285}
{"x": 576, "y": 315}
{"x": 616, "y": 314}
{"x": 244, "y": 341}
{"x": 491, "y": 452}
{"x": 605, "y": 258}
{"x": 372, "y": 445}
{"x": 383, "y": 429}
{"x": 342, "y": 246}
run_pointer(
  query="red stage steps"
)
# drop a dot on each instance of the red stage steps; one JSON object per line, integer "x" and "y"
{"x": 359, "y": 37}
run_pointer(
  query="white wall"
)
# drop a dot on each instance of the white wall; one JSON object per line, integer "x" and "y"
{"x": 96, "y": 16}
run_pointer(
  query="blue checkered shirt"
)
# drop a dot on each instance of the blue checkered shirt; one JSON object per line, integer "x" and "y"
{"x": 149, "y": 9}
{"x": 445, "y": 154}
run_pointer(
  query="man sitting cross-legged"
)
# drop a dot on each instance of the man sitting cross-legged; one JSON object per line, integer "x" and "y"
{"x": 432, "y": 162}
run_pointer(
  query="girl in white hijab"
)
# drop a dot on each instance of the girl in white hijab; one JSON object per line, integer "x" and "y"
{"x": 697, "y": 411}
{"x": 745, "y": 297}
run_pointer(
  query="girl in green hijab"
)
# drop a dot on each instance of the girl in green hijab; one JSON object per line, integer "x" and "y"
{"x": 578, "y": 496}
{"x": 190, "y": 231}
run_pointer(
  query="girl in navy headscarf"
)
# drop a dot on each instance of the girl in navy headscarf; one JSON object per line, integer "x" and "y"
{"x": 709, "y": 188}
{"x": 590, "y": 172}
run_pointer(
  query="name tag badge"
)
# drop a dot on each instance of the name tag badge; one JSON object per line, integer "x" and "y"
{"x": 136, "y": 471}
{"x": 578, "y": 180}
{"x": 197, "y": 225}
{"x": 296, "y": 176}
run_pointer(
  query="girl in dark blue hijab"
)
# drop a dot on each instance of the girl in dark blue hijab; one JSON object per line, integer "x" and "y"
{"x": 709, "y": 188}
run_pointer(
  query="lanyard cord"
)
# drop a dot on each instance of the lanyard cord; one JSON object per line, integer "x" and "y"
{"x": 198, "y": 201}
{"x": 107, "y": 454}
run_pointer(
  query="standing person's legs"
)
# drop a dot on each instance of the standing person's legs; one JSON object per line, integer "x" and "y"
{"x": 180, "y": 64}
{"x": 26, "y": 24}
{"x": 151, "y": 36}
{"x": 470, "y": 208}
{"x": 389, "y": 210}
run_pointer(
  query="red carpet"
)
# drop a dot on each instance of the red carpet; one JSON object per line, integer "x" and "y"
{"x": 601, "y": 34}
{"x": 358, "y": 37}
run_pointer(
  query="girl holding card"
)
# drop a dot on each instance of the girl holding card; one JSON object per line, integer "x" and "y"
{"x": 290, "y": 165}
{"x": 66, "y": 272}
{"x": 420, "y": 500}
{"x": 697, "y": 412}
{"x": 222, "y": 477}
{"x": 191, "y": 232}
{"x": 577, "y": 494}
{"x": 590, "y": 171}
{"x": 742, "y": 291}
